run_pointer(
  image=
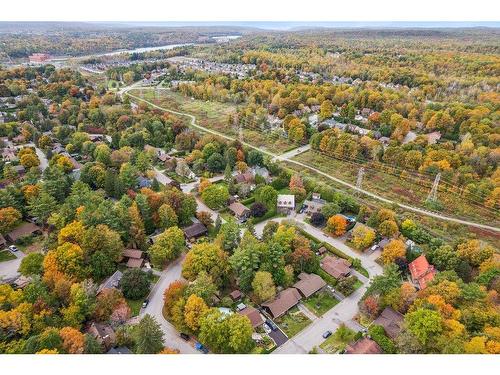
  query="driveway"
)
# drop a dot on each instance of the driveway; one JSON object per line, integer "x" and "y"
{"x": 155, "y": 306}
{"x": 8, "y": 269}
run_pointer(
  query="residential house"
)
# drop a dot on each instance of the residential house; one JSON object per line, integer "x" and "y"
{"x": 433, "y": 137}
{"x": 22, "y": 281}
{"x": 3, "y": 241}
{"x": 103, "y": 333}
{"x": 133, "y": 257}
{"x": 283, "y": 302}
{"x": 111, "y": 282}
{"x": 392, "y": 321}
{"x": 9, "y": 154}
{"x": 315, "y": 204}
{"x": 23, "y": 230}
{"x": 421, "y": 272}
{"x": 20, "y": 170}
{"x": 263, "y": 172}
{"x": 364, "y": 345}
{"x": 119, "y": 350}
{"x": 336, "y": 267}
{"x": 143, "y": 182}
{"x": 308, "y": 284}
{"x": 409, "y": 137}
{"x": 253, "y": 315}
{"x": 194, "y": 231}
{"x": 240, "y": 211}
{"x": 285, "y": 203}
{"x": 244, "y": 178}
{"x": 235, "y": 295}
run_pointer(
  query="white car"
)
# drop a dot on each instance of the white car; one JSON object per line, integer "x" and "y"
{"x": 13, "y": 248}
{"x": 266, "y": 328}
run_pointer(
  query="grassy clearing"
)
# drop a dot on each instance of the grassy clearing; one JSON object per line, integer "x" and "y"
{"x": 293, "y": 322}
{"x": 6, "y": 255}
{"x": 135, "y": 306}
{"x": 320, "y": 303}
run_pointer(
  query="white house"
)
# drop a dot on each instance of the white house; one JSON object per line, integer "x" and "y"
{"x": 286, "y": 203}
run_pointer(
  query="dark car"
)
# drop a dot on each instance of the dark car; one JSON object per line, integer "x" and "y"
{"x": 327, "y": 334}
{"x": 184, "y": 336}
{"x": 271, "y": 324}
{"x": 145, "y": 303}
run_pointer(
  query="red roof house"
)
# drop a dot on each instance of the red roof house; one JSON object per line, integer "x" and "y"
{"x": 421, "y": 271}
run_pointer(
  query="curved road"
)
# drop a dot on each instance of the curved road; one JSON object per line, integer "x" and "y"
{"x": 285, "y": 159}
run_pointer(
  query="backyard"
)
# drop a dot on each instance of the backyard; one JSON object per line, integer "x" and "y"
{"x": 292, "y": 322}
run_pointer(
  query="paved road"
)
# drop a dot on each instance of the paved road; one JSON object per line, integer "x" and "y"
{"x": 155, "y": 306}
{"x": 303, "y": 165}
{"x": 296, "y": 151}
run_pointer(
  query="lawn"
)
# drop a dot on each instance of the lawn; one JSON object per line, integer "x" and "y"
{"x": 135, "y": 306}
{"x": 320, "y": 303}
{"x": 6, "y": 255}
{"x": 339, "y": 340}
{"x": 293, "y": 322}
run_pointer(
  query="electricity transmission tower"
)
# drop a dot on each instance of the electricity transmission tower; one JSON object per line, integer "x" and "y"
{"x": 359, "y": 181}
{"x": 433, "y": 193}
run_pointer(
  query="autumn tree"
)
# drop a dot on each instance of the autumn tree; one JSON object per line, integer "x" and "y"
{"x": 194, "y": 310}
{"x": 167, "y": 246}
{"x": 73, "y": 340}
{"x": 9, "y": 219}
{"x": 394, "y": 249}
{"x": 336, "y": 225}
{"x": 263, "y": 286}
{"x": 362, "y": 237}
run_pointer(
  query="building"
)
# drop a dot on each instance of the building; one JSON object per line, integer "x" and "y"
{"x": 392, "y": 321}
{"x": 308, "y": 284}
{"x": 364, "y": 346}
{"x": 194, "y": 231}
{"x": 38, "y": 58}
{"x": 133, "y": 258}
{"x": 235, "y": 295}
{"x": 244, "y": 178}
{"x": 336, "y": 267}
{"x": 253, "y": 315}
{"x": 285, "y": 203}
{"x": 241, "y": 212}
{"x": 315, "y": 204}
{"x": 23, "y": 230}
{"x": 3, "y": 241}
{"x": 421, "y": 272}
{"x": 111, "y": 282}
{"x": 103, "y": 333}
{"x": 283, "y": 302}
{"x": 119, "y": 350}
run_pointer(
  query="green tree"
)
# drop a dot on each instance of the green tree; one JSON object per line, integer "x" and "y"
{"x": 167, "y": 246}
{"x": 32, "y": 264}
{"x": 135, "y": 284}
{"x": 424, "y": 324}
{"x": 167, "y": 215}
{"x": 209, "y": 258}
{"x": 148, "y": 336}
{"x": 42, "y": 206}
{"x": 215, "y": 196}
{"x": 263, "y": 286}
{"x": 203, "y": 287}
{"x": 267, "y": 195}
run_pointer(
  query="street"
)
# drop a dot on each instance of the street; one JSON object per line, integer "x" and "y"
{"x": 8, "y": 269}
{"x": 155, "y": 307}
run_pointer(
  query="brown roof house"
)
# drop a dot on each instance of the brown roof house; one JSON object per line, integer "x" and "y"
{"x": 364, "y": 346}
{"x": 309, "y": 284}
{"x": 239, "y": 210}
{"x": 23, "y": 230}
{"x": 133, "y": 257}
{"x": 3, "y": 241}
{"x": 253, "y": 314}
{"x": 195, "y": 230}
{"x": 392, "y": 322}
{"x": 235, "y": 295}
{"x": 336, "y": 267}
{"x": 103, "y": 333}
{"x": 283, "y": 302}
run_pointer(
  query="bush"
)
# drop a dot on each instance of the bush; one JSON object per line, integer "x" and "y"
{"x": 377, "y": 333}
{"x": 258, "y": 209}
{"x": 135, "y": 284}
{"x": 318, "y": 219}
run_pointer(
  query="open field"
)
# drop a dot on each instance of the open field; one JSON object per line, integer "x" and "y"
{"x": 400, "y": 187}
{"x": 213, "y": 115}
{"x": 439, "y": 228}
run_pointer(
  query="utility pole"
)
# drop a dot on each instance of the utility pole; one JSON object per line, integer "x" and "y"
{"x": 433, "y": 193}
{"x": 359, "y": 181}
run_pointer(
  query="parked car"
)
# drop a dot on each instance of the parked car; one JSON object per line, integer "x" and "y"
{"x": 184, "y": 336}
{"x": 13, "y": 248}
{"x": 201, "y": 348}
{"x": 145, "y": 303}
{"x": 271, "y": 324}
{"x": 266, "y": 328}
{"x": 327, "y": 334}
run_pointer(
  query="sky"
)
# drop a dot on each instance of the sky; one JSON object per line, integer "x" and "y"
{"x": 250, "y": 10}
